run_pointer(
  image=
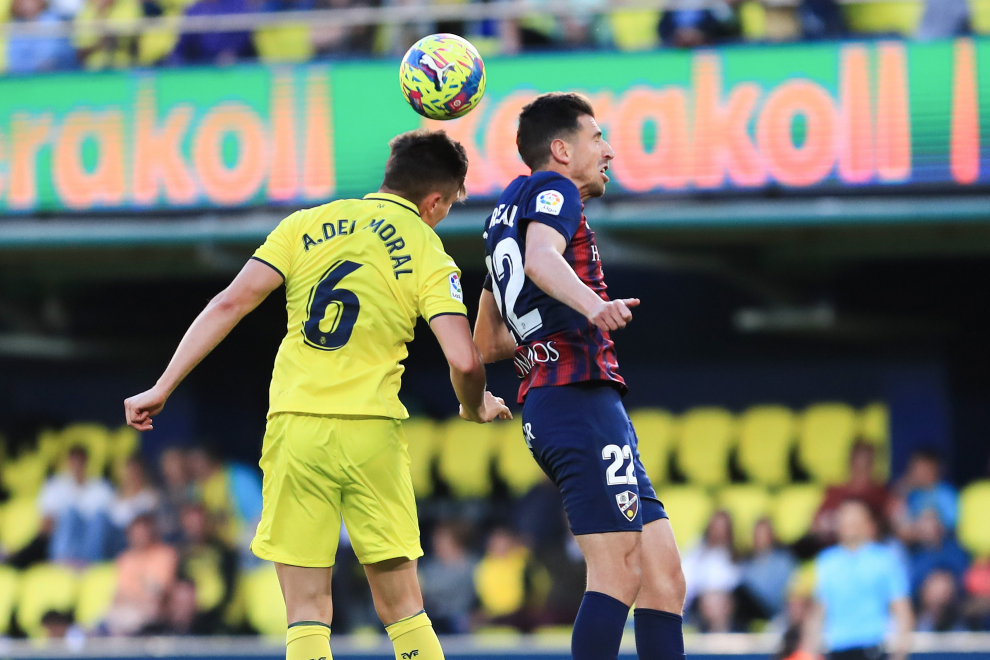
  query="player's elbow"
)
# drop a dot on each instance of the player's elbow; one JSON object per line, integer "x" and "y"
{"x": 467, "y": 363}
{"x": 227, "y": 303}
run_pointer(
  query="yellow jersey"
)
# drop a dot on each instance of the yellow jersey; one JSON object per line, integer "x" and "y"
{"x": 358, "y": 273}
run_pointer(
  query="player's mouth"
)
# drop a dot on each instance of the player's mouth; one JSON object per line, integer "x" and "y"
{"x": 602, "y": 171}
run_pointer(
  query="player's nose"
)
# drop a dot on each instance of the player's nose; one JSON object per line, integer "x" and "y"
{"x": 607, "y": 152}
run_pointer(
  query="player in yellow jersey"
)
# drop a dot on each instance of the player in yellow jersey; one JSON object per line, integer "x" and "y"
{"x": 357, "y": 274}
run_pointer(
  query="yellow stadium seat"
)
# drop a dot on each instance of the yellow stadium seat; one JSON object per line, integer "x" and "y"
{"x": 655, "y": 431}
{"x": 280, "y": 44}
{"x": 706, "y": 437}
{"x": 204, "y": 571}
{"x": 513, "y": 460}
{"x": 635, "y": 29}
{"x": 263, "y": 597}
{"x": 745, "y": 503}
{"x": 892, "y": 16}
{"x": 794, "y": 508}
{"x": 95, "y": 438}
{"x": 766, "y": 436}
{"x": 466, "y": 457}
{"x": 44, "y": 587}
{"x": 52, "y": 446}
{"x": 421, "y": 434}
{"x": 873, "y": 426}
{"x": 20, "y": 521}
{"x": 9, "y": 582}
{"x": 24, "y": 475}
{"x": 97, "y": 588}
{"x": 974, "y": 531}
{"x": 689, "y": 508}
{"x": 826, "y": 434}
{"x": 979, "y": 16}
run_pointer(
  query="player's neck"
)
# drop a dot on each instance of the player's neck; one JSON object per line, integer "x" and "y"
{"x": 561, "y": 169}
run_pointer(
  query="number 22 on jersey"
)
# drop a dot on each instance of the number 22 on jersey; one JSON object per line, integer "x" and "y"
{"x": 506, "y": 264}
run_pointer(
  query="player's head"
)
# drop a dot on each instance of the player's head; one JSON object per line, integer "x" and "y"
{"x": 558, "y": 132}
{"x": 427, "y": 168}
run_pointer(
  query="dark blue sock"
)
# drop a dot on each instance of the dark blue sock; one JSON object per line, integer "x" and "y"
{"x": 658, "y": 635}
{"x": 598, "y": 627}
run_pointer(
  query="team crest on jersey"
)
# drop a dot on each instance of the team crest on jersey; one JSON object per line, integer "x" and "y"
{"x": 549, "y": 202}
{"x": 628, "y": 502}
{"x": 455, "y": 288}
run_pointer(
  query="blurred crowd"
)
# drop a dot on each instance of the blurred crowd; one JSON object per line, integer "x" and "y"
{"x": 178, "y": 534}
{"x": 688, "y": 23}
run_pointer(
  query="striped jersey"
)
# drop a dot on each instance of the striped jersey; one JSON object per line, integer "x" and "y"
{"x": 555, "y": 345}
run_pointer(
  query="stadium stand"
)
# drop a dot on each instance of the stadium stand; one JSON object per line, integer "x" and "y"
{"x": 974, "y": 507}
{"x": 513, "y": 461}
{"x": 9, "y": 592}
{"x": 97, "y": 586}
{"x": 827, "y": 432}
{"x": 655, "y": 430}
{"x": 706, "y": 437}
{"x": 44, "y": 587}
{"x": 746, "y": 503}
{"x": 766, "y": 437}
{"x": 793, "y": 509}
{"x": 263, "y": 597}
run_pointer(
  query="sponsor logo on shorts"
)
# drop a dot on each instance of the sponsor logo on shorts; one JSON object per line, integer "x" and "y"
{"x": 528, "y": 435}
{"x": 628, "y": 502}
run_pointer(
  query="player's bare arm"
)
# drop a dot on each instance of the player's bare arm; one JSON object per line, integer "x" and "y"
{"x": 491, "y": 336}
{"x": 547, "y": 268}
{"x": 467, "y": 371}
{"x": 251, "y": 286}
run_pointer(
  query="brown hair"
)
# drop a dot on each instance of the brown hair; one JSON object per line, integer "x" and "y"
{"x": 545, "y": 119}
{"x": 423, "y": 162}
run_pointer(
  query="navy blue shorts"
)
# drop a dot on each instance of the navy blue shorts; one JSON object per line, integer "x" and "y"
{"x": 581, "y": 436}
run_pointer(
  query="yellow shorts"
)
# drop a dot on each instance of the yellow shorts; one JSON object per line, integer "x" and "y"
{"x": 319, "y": 468}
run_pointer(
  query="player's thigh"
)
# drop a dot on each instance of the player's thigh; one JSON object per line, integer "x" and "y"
{"x": 377, "y": 498}
{"x": 300, "y": 519}
{"x": 581, "y": 437}
{"x": 663, "y": 580}
{"x": 306, "y": 592}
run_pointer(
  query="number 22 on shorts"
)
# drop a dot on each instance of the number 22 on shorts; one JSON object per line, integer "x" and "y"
{"x": 619, "y": 455}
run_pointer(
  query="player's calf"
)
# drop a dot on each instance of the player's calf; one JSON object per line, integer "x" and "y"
{"x": 399, "y": 603}
{"x": 658, "y": 620}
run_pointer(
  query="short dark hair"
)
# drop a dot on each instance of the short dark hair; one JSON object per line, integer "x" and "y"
{"x": 80, "y": 451}
{"x": 424, "y": 161}
{"x": 545, "y": 119}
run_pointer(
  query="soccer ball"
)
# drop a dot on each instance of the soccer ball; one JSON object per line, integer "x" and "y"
{"x": 442, "y": 76}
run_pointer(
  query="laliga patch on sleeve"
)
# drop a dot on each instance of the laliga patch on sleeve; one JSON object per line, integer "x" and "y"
{"x": 455, "y": 288}
{"x": 549, "y": 202}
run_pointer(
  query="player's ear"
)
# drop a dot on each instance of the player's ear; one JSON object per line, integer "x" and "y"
{"x": 560, "y": 151}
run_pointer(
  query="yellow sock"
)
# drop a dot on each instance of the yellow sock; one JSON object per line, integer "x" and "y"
{"x": 308, "y": 640}
{"x": 414, "y": 639}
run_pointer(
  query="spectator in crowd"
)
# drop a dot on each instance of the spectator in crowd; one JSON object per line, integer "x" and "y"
{"x": 181, "y": 614}
{"x": 695, "y": 24}
{"x": 231, "y": 495}
{"x": 977, "y": 605}
{"x": 220, "y": 48}
{"x": 944, "y": 19}
{"x": 59, "y": 625}
{"x": 97, "y": 50}
{"x": 923, "y": 489}
{"x": 821, "y": 19}
{"x": 447, "y": 579}
{"x": 209, "y": 564}
{"x": 335, "y": 39}
{"x": 288, "y": 42}
{"x": 934, "y": 549}
{"x": 861, "y": 486}
{"x": 76, "y": 510}
{"x": 135, "y": 497}
{"x": 511, "y": 586}
{"x": 37, "y": 53}
{"x": 710, "y": 567}
{"x": 938, "y": 607}
{"x": 177, "y": 491}
{"x": 146, "y": 572}
{"x": 861, "y": 588}
{"x": 766, "y": 574}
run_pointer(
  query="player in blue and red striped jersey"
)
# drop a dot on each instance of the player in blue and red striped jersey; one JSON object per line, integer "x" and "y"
{"x": 545, "y": 305}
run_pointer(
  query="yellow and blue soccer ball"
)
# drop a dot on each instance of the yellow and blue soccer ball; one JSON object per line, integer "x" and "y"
{"x": 442, "y": 76}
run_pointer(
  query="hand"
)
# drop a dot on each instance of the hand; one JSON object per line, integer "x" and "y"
{"x": 613, "y": 314}
{"x": 140, "y": 408}
{"x": 491, "y": 408}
